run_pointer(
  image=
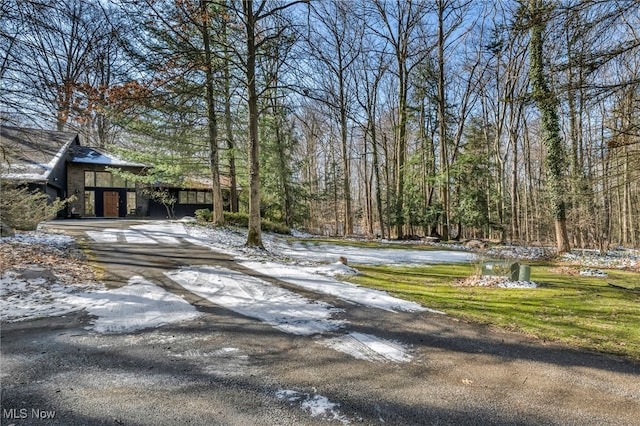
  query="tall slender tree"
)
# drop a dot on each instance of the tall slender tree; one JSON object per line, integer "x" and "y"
{"x": 547, "y": 103}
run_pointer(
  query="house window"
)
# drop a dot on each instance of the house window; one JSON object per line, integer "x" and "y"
{"x": 195, "y": 197}
{"x": 89, "y": 179}
{"x": 103, "y": 179}
{"x": 89, "y": 203}
{"x": 118, "y": 182}
{"x": 131, "y": 202}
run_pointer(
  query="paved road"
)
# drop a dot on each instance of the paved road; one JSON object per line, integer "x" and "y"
{"x": 227, "y": 369}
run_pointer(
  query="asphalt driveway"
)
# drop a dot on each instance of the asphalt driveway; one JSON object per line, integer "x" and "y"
{"x": 224, "y": 368}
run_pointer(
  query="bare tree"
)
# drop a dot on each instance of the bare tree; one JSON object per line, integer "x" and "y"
{"x": 547, "y": 104}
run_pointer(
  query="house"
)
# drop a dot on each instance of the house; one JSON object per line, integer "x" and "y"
{"x": 36, "y": 158}
{"x": 100, "y": 192}
{"x": 54, "y": 162}
{"x": 192, "y": 194}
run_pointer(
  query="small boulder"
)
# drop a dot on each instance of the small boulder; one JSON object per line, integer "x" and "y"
{"x": 6, "y": 230}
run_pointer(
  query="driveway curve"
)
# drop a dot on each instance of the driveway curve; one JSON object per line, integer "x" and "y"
{"x": 230, "y": 366}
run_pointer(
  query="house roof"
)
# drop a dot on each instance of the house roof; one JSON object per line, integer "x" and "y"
{"x": 88, "y": 155}
{"x": 202, "y": 183}
{"x": 31, "y": 154}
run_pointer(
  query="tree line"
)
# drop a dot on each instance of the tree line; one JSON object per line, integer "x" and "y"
{"x": 515, "y": 120}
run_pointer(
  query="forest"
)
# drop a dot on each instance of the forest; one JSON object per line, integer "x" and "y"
{"x": 510, "y": 120}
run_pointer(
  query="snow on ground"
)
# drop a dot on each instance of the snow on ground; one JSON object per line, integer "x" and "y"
{"x": 326, "y": 252}
{"x": 59, "y": 241}
{"x": 253, "y": 297}
{"x": 310, "y": 265}
{"x": 285, "y": 310}
{"x": 368, "y": 348}
{"x": 316, "y": 405}
{"x": 140, "y": 304}
{"x": 612, "y": 259}
{"x": 307, "y": 277}
{"x": 495, "y": 281}
{"x": 30, "y": 298}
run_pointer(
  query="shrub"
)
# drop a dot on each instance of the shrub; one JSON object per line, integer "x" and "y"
{"x": 204, "y": 215}
{"x": 278, "y": 228}
{"x": 236, "y": 219}
{"x": 23, "y": 209}
{"x": 242, "y": 220}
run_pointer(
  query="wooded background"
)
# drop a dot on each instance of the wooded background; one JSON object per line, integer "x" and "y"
{"x": 399, "y": 118}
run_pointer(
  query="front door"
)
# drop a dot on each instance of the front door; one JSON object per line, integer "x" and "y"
{"x": 111, "y": 203}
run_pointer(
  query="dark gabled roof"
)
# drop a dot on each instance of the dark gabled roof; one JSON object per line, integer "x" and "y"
{"x": 87, "y": 155}
{"x": 199, "y": 183}
{"x": 31, "y": 154}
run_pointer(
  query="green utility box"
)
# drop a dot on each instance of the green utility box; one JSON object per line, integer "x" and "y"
{"x": 525, "y": 273}
{"x": 510, "y": 270}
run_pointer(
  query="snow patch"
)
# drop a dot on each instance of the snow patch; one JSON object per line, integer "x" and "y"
{"x": 593, "y": 273}
{"x": 308, "y": 278}
{"x": 258, "y": 299}
{"x": 25, "y": 299}
{"x": 139, "y": 305}
{"x": 39, "y": 237}
{"x": 369, "y": 348}
{"x": 316, "y": 405}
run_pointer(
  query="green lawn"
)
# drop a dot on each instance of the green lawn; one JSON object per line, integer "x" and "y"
{"x": 584, "y": 312}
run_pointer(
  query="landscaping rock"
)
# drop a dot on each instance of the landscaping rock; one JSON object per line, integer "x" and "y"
{"x": 6, "y": 230}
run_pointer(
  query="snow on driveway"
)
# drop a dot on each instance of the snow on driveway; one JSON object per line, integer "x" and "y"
{"x": 316, "y": 405}
{"x": 369, "y": 348}
{"x": 140, "y": 304}
{"x": 253, "y": 297}
{"x": 284, "y": 310}
{"x": 136, "y": 306}
{"x": 308, "y": 278}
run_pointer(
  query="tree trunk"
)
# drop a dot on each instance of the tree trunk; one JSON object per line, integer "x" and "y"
{"x": 254, "y": 238}
{"x": 442, "y": 127}
{"x": 217, "y": 210}
{"x": 547, "y": 104}
{"x": 231, "y": 154}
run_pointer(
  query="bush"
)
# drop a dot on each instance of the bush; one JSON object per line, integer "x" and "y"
{"x": 236, "y": 219}
{"x": 23, "y": 209}
{"x": 242, "y": 220}
{"x": 278, "y": 228}
{"x": 204, "y": 215}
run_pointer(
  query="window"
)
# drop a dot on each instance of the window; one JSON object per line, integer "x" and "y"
{"x": 131, "y": 202}
{"x": 106, "y": 180}
{"x": 195, "y": 197}
{"x": 89, "y": 203}
{"x": 103, "y": 179}
{"x": 118, "y": 182}
{"x": 89, "y": 179}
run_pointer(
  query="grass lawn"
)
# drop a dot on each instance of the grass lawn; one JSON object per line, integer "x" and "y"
{"x": 584, "y": 312}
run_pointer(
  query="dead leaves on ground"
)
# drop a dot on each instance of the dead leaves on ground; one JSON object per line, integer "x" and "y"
{"x": 67, "y": 266}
